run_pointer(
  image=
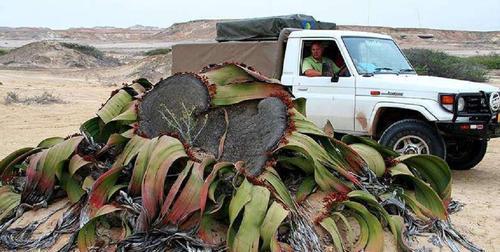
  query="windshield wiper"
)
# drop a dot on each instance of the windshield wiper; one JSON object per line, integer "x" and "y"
{"x": 384, "y": 70}
{"x": 407, "y": 70}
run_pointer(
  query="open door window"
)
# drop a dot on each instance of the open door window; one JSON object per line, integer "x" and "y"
{"x": 331, "y": 61}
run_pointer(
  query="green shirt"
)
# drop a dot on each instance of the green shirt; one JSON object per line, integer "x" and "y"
{"x": 311, "y": 63}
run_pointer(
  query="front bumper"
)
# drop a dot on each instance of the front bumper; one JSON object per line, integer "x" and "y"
{"x": 482, "y": 121}
{"x": 476, "y": 129}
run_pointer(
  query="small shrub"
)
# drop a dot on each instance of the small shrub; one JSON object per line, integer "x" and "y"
{"x": 158, "y": 51}
{"x": 11, "y": 97}
{"x": 435, "y": 63}
{"x": 3, "y": 51}
{"x": 43, "y": 99}
{"x": 85, "y": 49}
{"x": 491, "y": 61}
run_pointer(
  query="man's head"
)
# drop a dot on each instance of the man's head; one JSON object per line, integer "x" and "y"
{"x": 317, "y": 50}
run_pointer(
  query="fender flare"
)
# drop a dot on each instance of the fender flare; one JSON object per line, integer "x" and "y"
{"x": 383, "y": 105}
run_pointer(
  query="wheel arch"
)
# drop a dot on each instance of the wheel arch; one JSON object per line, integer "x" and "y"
{"x": 385, "y": 114}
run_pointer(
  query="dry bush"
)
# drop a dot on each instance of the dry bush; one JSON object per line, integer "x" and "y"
{"x": 44, "y": 99}
{"x": 436, "y": 63}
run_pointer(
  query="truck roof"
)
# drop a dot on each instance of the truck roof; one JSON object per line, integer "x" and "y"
{"x": 334, "y": 33}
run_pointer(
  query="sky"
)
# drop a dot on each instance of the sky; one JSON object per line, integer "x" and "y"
{"x": 479, "y": 15}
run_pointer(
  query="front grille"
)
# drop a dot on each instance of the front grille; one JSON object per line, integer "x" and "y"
{"x": 477, "y": 104}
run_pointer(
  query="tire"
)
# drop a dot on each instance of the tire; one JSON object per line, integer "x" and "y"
{"x": 417, "y": 132}
{"x": 465, "y": 153}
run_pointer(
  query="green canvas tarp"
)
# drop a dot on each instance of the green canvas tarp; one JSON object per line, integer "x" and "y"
{"x": 267, "y": 28}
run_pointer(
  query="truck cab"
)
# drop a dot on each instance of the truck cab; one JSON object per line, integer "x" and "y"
{"x": 380, "y": 95}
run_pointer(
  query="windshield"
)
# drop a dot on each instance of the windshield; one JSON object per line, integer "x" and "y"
{"x": 376, "y": 55}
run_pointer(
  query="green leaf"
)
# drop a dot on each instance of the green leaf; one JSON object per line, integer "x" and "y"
{"x": 349, "y": 230}
{"x": 317, "y": 155}
{"x": 90, "y": 128}
{"x": 128, "y": 114}
{"x": 331, "y": 227}
{"x": 87, "y": 234}
{"x": 9, "y": 200}
{"x": 4, "y": 163}
{"x": 274, "y": 217}
{"x": 8, "y": 164}
{"x": 375, "y": 232}
{"x": 247, "y": 237}
{"x": 87, "y": 183}
{"x": 189, "y": 199}
{"x": 113, "y": 140}
{"x": 227, "y": 74}
{"x": 300, "y": 105}
{"x": 426, "y": 199}
{"x": 57, "y": 154}
{"x": 72, "y": 187}
{"x": 282, "y": 192}
{"x": 208, "y": 225}
{"x": 400, "y": 168}
{"x": 115, "y": 189}
{"x": 209, "y": 186}
{"x": 384, "y": 151}
{"x": 166, "y": 151}
{"x": 433, "y": 170}
{"x": 305, "y": 126}
{"x": 103, "y": 184}
{"x": 297, "y": 163}
{"x": 364, "y": 233}
{"x": 306, "y": 187}
{"x": 173, "y": 190}
{"x": 329, "y": 182}
{"x": 43, "y": 170}
{"x": 115, "y": 106}
{"x": 49, "y": 142}
{"x": 371, "y": 201}
{"x": 236, "y": 93}
{"x": 141, "y": 163}
{"x": 75, "y": 163}
{"x": 398, "y": 223}
{"x": 240, "y": 199}
{"x": 96, "y": 130}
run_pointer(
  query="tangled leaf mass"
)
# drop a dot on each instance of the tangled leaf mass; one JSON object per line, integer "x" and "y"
{"x": 224, "y": 159}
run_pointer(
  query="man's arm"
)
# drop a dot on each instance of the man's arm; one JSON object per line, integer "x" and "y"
{"x": 308, "y": 70}
{"x": 312, "y": 73}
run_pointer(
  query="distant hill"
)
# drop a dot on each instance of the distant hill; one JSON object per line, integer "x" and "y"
{"x": 53, "y": 54}
{"x": 205, "y": 30}
{"x": 455, "y": 42}
{"x": 134, "y": 33}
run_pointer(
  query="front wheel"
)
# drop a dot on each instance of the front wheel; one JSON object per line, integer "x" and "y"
{"x": 465, "y": 153}
{"x": 412, "y": 136}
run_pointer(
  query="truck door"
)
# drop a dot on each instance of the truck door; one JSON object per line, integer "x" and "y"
{"x": 326, "y": 99}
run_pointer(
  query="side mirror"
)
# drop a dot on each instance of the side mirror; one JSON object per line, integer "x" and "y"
{"x": 335, "y": 77}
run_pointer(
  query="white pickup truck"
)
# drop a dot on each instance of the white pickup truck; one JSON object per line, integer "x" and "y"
{"x": 378, "y": 95}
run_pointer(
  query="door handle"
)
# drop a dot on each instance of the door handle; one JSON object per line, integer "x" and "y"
{"x": 302, "y": 89}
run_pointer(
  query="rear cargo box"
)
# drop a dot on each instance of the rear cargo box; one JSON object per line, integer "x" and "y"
{"x": 263, "y": 55}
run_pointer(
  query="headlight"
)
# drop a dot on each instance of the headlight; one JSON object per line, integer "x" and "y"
{"x": 461, "y": 104}
{"x": 495, "y": 102}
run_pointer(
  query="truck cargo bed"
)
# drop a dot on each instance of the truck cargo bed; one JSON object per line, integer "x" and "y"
{"x": 264, "y": 56}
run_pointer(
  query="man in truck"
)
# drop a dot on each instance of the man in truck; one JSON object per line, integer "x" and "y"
{"x": 312, "y": 66}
